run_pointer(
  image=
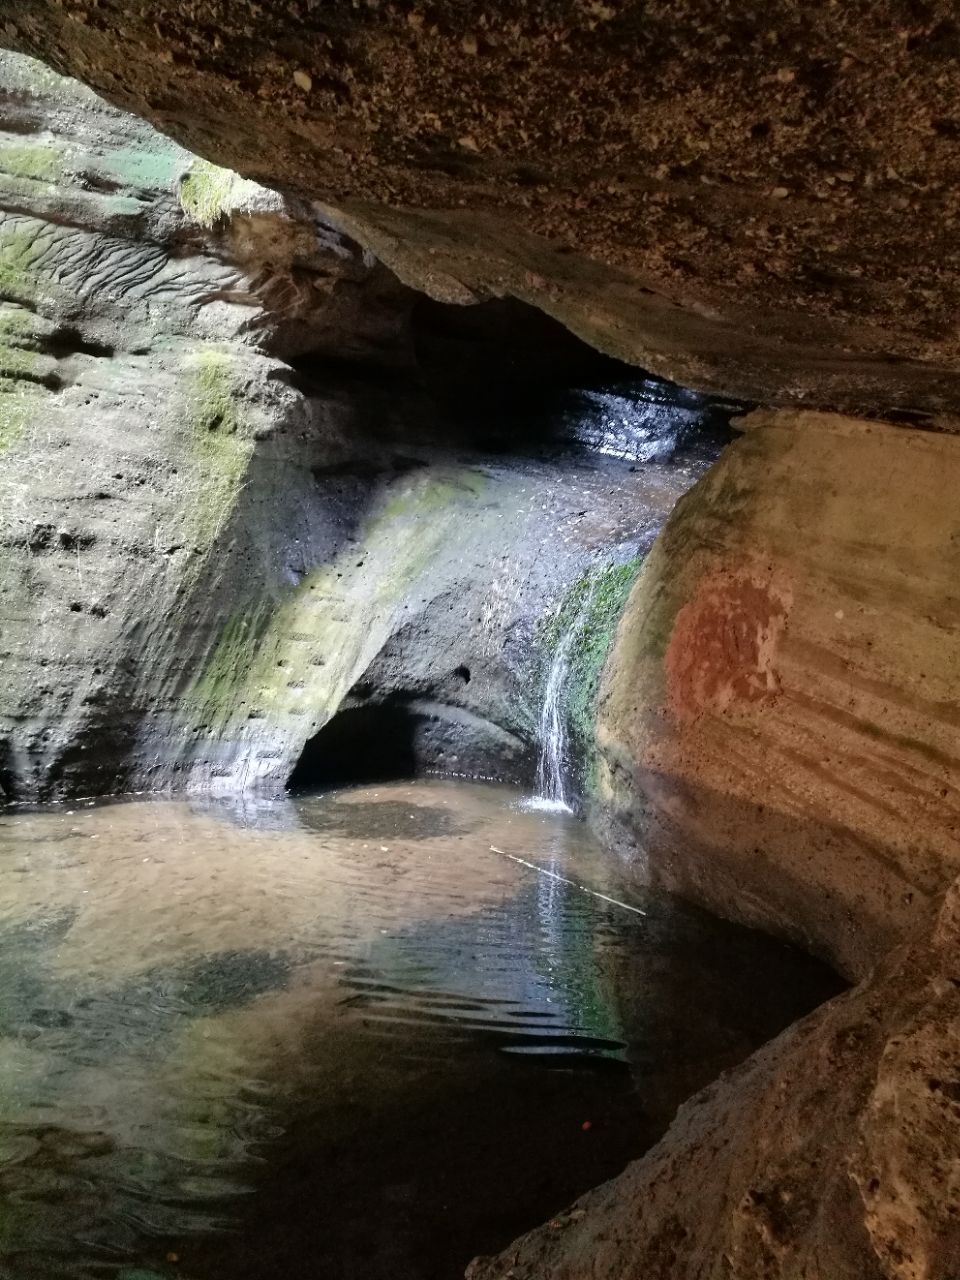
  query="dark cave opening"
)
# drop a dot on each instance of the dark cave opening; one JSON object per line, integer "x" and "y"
{"x": 375, "y": 742}
{"x": 501, "y": 377}
{"x": 512, "y": 379}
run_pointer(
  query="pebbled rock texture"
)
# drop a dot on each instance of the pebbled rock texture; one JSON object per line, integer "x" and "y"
{"x": 760, "y": 200}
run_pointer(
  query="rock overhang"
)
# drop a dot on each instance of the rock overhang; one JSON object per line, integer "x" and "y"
{"x": 745, "y": 201}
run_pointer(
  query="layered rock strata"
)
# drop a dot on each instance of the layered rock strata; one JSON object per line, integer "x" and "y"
{"x": 780, "y": 721}
{"x": 778, "y": 734}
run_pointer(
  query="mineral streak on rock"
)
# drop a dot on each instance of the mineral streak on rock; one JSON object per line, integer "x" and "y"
{"x": 724, "y": 644}
{"x": 778, "y": 719}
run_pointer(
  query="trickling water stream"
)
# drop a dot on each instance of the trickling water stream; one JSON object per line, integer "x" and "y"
{"x": 341, "y": 1035}
{"x": 553, "y": 759}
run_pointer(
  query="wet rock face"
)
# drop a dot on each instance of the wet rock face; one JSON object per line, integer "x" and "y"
{"x": 779, "y": 719}
{"x": 242, "y": 476}
{"x": 740, "y": 199}
{"x": 831, "y": 1153}
{"x": 136, "y": 393}
{"x": 229, "y": 506}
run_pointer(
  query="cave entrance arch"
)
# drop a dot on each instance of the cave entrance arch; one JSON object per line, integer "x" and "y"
{"x": 360, "y": 744}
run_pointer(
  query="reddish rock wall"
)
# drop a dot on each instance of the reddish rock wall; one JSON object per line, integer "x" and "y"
{"x": 780, "y": 721}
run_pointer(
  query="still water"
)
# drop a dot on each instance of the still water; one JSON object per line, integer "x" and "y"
{"x": 340, "y": 1036}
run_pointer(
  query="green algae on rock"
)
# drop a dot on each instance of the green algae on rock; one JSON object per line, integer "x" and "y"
{"x": 591, "y": 608}
{"x": 19, "y": 254}
{"x": 39, "y": 162}
{"x": 220, "y": 441}
{"x": 208, "y": 193}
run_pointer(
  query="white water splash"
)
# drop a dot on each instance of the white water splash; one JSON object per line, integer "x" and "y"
{"x": 541, "y": 804}
{"x": 551, "y": 789}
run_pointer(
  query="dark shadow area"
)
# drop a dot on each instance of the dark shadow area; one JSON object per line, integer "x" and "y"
{"x": 513, "y": 380}
{"x": 373, "y": 743}
{"x": 8, "y": 780}
{"x": 404, "y": 734}
{"x": 501, "y": 377}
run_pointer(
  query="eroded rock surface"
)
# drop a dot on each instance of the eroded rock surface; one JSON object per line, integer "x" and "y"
{"x": 832, "y": 1154}
{"x": 743, "y": 199}
{"x": 239, "y": 480}
{"x": 780, "y": 724}
{"x": 229, "y": 502}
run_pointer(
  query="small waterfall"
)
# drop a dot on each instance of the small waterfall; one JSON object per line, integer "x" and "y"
{"x": 551, "y": 790}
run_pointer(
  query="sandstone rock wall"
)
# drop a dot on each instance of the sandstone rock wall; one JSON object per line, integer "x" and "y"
{"x": 219, "y": 511}
{"x": 227, "y": 494}
{"x": 832, "y": 1154}
{"x": 779, "y": 740}
{"x": 780, "y": 721}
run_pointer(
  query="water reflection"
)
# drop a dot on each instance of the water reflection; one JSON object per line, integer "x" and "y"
{"x": 338, "y": 1035}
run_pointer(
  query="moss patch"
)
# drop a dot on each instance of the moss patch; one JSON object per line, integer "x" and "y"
{"x": 214, "y": 411}
{"x": 216, "y": 689}
{"x": 18, "y": 266}
{"x": 208, "y": 193}
{"x": 20, "y": 374}
{"x": 295, "y": 658}
{"x": 220, "y": 443}
{"x": 41, "y": 162}
{"x": 592, "y": 606}
{"x": 18, "y": 355}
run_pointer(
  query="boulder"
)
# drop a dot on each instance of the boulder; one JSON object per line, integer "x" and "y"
{"x": 779, "y": 718}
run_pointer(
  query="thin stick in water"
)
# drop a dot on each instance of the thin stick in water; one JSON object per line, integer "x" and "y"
{"x": 542, "y": 871}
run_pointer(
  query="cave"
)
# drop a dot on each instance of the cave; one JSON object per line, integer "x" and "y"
{"x": 479, "y": 771}
{"x": 511, "y": 379}
{"x": 366, "y": 743}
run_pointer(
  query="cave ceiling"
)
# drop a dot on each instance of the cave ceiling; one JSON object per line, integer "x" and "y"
{"x": 760, "y": 199}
